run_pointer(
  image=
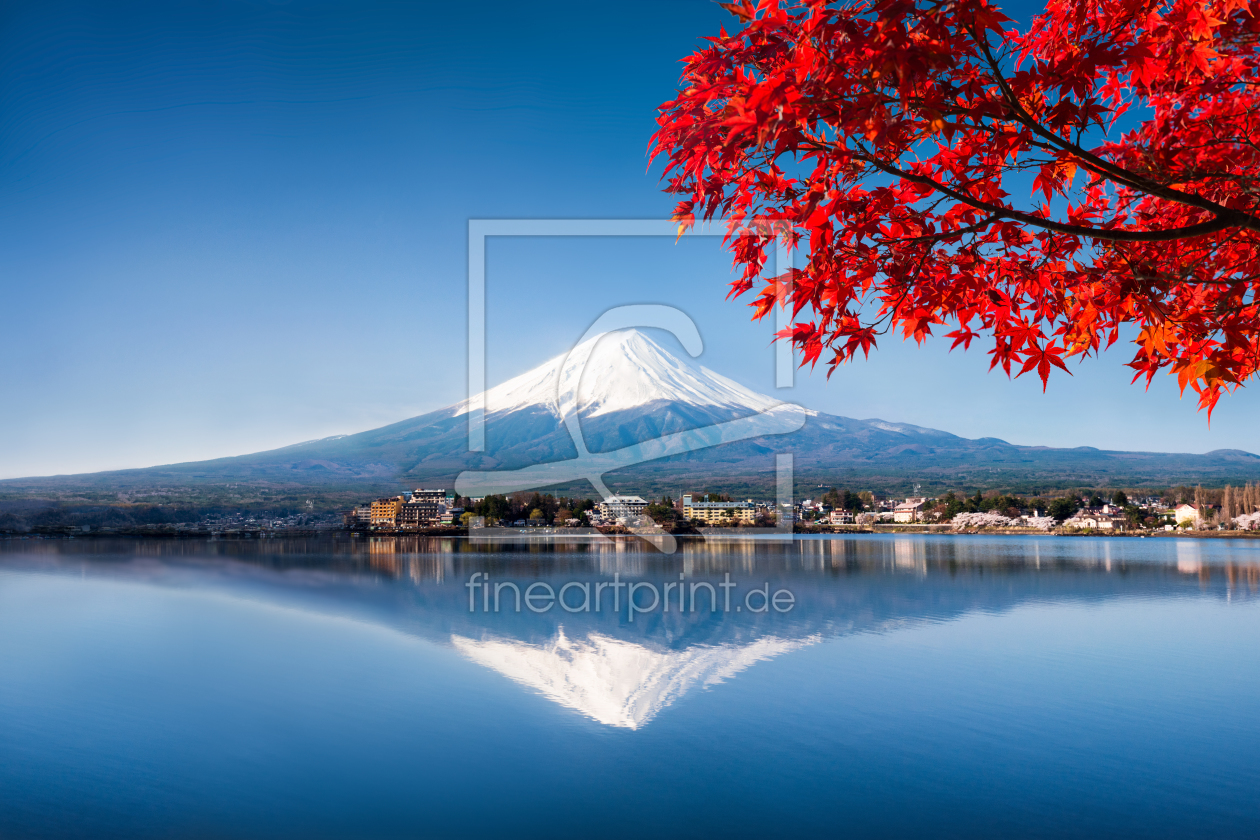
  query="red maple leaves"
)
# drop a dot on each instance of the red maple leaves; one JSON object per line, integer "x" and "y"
{"x": 889, "y": 139}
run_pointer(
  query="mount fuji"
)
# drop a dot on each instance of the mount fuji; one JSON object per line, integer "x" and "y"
{"x": 616, "y": 372}
{"x": 626, "y": 390}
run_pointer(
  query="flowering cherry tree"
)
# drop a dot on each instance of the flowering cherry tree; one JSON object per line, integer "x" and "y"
{"x": 1045, "y": 523}
{"x": 1043, "y": 189}
{"x": 984, "y": 519}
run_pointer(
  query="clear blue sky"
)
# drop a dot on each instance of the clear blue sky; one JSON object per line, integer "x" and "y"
{"x": 230, "y": 226}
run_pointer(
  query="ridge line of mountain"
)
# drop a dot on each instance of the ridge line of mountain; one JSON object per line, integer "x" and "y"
{"x": 628, "y": 390}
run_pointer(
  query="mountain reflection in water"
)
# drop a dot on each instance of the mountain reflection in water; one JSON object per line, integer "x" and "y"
{"x": 624, "y": 674}
{"x": 945, "y": 687}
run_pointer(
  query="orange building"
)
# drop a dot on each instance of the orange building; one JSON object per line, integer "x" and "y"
{"x": 385, "y": 511}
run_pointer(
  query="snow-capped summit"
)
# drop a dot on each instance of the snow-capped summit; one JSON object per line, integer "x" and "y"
{"x": 617, "y": 371}
{"x": 613, "y": 681}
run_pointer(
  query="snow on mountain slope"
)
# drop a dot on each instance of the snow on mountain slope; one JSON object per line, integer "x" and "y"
{"x": 618, "y": 371}
{"x": 616, "y": 682}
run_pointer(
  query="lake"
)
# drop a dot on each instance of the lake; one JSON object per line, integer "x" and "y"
{"x": 922, "y": 686}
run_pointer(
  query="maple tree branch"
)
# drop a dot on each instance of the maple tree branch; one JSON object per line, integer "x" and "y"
{"x": 870, "y": 95}
{"x": 891, "y": 312}
{"x": 936, "y": 237}
{"x": 1226, "y": 219}
{"x": 1088, "y": 159}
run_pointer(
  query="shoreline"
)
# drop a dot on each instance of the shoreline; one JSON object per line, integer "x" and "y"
{"x": 559, "y": 534}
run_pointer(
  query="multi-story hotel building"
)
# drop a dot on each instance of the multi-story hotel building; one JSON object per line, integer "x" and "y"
{"x": 411, "y": 516}
{"x": 385, "y": 511}
{"x": 424, "y": 508}
{"x": 615, "y": 507}
{"x": 714, "y": 512}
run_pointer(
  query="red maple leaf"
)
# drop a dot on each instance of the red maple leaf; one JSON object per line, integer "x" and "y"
{"x": 889, "y": 138}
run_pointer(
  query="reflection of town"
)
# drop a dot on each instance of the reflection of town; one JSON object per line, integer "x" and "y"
{"x": 623, "y": 674}
{"x": 427, "y": 559}
{"x": 400, "y": 557}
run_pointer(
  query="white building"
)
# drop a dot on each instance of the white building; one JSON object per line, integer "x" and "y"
{"x": 911, "y": 510}
{"x": 1186, "y": 514}
{"x": 616, "y": 507}
{"x": 1095, "y": 521}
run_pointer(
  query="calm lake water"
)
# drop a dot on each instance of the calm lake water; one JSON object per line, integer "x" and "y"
{"x": 913, "y": 687}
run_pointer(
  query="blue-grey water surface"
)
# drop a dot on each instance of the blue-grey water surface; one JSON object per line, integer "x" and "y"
{"x": 918, "y": 687}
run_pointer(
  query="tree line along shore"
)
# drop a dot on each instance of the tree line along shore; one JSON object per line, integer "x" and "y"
{"x": 1181, "y": 509}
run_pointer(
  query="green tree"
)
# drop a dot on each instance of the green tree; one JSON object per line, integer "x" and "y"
{"x": 1063, "y": 508}
{"x": 662, "y": 513}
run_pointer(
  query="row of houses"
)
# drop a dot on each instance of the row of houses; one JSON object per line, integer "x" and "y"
{"x": 432, "y": 507}
{"x": 1105, "y": 518}
{"x": 1111, "y": 517}
{"x": 421, "y": 509}
{"x": 909, "y": 510}
{"x": 746, "y": 512}
{"x": 617, "y": 508}
{"x": 427, "y": 508}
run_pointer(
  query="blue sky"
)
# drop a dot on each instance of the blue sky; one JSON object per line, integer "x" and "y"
{"x": 232, "y": 226}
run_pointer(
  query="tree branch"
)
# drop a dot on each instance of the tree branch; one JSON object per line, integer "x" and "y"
{"x": 1092, "y": 161}
{"x": 1226, "y": 219}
